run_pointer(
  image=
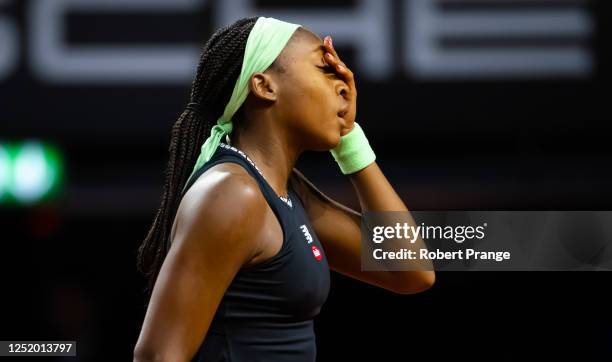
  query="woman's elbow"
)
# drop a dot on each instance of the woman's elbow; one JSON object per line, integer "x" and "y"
{"x": 417, "y": 284}
{"x": 145, "y": 354}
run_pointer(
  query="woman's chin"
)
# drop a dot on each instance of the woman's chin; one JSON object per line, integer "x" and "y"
{"x": 334, "y": 140}
{"x": 327, "y": 142}
{"x": 327, "y": 138}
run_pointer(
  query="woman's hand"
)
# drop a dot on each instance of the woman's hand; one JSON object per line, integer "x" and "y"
{"x": 332, "y": 58}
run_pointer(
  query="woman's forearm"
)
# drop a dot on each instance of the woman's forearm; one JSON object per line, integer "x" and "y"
{"x": 376, "y": 194}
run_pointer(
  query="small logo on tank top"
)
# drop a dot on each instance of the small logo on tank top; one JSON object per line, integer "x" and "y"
{"x": 306, "y": 233}
{"x": 315, "y": 251}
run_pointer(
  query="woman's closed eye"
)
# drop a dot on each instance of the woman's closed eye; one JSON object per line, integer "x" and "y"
{"x": 327, "y": 68}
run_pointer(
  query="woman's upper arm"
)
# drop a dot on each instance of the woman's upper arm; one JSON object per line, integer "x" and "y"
{"x": 214, "y": 238}
{"x": 338, "y": 226}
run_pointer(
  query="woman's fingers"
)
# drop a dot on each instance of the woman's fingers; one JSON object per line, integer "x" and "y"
{"x": 332, "y": 60}
{"x": 332, "y": 57}
{"x": 330, "y": 48}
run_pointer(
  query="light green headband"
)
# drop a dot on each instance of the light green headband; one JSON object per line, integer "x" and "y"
{"x": 266, "y": 41}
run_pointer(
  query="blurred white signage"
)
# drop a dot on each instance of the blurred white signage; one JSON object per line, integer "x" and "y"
{"x": 367, "y": 27}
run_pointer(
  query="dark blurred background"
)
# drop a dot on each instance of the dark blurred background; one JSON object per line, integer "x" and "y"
{"x": 469, "y": 105}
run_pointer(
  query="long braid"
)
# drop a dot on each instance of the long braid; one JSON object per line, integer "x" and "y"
{"x": 218, "y": 68}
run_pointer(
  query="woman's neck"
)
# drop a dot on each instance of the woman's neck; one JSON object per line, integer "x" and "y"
{"x": 274, "y": 156}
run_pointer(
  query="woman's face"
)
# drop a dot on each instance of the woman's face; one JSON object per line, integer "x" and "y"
{"x": 310, "y": 93}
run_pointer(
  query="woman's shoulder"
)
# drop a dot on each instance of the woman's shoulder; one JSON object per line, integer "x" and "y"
{"x": 226, "y": 184}
{"x": 224, "y": 196}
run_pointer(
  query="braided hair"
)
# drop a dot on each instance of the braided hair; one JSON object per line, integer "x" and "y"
{"x": 218, "y": 69}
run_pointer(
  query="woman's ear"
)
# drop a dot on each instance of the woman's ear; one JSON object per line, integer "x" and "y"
{"x": 263, "y": 86}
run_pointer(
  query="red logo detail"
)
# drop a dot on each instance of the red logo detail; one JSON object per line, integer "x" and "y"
{"x": 317, "y": 253}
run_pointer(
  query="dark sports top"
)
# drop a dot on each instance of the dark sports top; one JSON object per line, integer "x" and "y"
{"x": 267, "y": 311}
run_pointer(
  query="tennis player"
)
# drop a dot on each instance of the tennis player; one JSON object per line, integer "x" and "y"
{"x": 240, "y": 251}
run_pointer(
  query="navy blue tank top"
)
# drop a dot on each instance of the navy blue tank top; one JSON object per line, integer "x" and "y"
{"x": 267, "y": 311}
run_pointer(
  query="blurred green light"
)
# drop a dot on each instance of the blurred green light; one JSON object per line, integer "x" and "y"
{"x": 30, "y": 172}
